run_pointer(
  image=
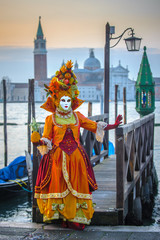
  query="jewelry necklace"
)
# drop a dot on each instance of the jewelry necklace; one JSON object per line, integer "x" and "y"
{"x": 63, "y": 114}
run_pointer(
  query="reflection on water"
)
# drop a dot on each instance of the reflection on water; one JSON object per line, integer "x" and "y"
{"x": 18, "y": 208}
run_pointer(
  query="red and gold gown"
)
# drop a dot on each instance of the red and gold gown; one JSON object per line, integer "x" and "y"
{"x": 65, "y": 177}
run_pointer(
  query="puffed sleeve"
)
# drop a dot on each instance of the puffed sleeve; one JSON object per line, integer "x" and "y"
{"x": 96, "y": 127}
{"x": 47, "y": 136}
{"x": 48, "y": 128}
{"x": 87, "y": 123}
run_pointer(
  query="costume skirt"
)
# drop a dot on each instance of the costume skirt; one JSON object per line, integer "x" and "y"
{"x": 62, "y": 187}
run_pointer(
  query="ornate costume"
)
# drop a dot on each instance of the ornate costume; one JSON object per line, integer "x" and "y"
{"x": 65, "y": 179}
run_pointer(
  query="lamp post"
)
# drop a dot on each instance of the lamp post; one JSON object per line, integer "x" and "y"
{"x": 132, "y": 43}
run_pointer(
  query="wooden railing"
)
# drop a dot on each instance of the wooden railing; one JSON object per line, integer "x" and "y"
{"x": 134, "y": 162}
{"x": 89, "y": 142}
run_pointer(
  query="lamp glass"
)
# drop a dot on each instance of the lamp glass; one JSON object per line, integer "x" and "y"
{"x": 133, "y": 43}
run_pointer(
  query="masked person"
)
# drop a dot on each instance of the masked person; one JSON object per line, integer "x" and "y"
{"x": 65, "y": 179}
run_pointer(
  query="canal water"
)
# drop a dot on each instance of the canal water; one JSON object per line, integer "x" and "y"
{"x": 18, "y": 208}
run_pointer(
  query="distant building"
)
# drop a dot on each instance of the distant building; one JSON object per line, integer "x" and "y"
{"x": 40, "y": 55}
{"x": 157, "y": 88}
{"x": 119, "y": 76}
{"x": 90, "y": 77}
{"x": 16, "y": 92}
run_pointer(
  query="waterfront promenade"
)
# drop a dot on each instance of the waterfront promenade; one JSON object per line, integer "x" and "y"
{"x": 32, "y": 231}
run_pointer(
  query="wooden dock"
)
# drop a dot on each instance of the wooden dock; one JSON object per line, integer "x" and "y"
{"x": 126, "y": 180}
{"x": 105, "y": 197}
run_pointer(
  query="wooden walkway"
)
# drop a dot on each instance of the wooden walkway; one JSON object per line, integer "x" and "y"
{"x": 105, "y": 196}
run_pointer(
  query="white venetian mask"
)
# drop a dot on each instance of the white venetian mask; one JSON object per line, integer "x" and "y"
{"x": 65, "y": 103}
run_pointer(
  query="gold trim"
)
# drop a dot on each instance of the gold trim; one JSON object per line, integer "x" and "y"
{"x": 51, "y": 195}
{"x": 55, "y": 216}
{"x": 66, "y": 177}
{"x": 80, "y": 220}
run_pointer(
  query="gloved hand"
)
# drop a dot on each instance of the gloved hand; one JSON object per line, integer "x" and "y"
{"x": 117, "y": 123}
{"x": 40, "y": 143}
{"x": 118, "y": 120}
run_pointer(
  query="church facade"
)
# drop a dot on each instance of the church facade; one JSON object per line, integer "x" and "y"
{"x": 90, "y": 77}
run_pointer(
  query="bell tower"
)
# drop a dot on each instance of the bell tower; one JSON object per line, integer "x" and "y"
{"x": 40, "y": 55}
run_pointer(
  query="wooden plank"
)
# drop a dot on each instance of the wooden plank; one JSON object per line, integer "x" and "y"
{"x": 105, "y": 197}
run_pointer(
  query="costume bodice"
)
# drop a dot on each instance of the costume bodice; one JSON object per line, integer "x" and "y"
{"x": 56, "y": 132}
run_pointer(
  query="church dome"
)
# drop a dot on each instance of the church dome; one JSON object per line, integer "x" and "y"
{"x": 92, "y": 63}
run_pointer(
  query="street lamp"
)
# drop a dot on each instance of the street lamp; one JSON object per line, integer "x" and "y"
{"x": 132, "y": 43}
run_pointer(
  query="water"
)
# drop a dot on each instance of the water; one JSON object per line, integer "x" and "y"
{"x": 19, "y": 208}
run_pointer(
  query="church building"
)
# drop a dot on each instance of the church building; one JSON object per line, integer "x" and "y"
{"x": 90, "y": 77}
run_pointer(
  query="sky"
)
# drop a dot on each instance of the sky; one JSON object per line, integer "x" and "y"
{"x": 73, "y": 24}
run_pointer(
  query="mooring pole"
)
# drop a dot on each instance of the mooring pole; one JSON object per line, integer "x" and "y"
{"x": 106, "y": 74}
{"x": 32, "y": 99}
{"x": 106, "y": 70}
{"x": 116, "y": 111}
{"x": 101, "y": 103}
{"x": 29, "y": 116}
{"x": 116, "y": 91}
{"x": 89, "y": 109}
{"x": 5, "y": 122}
{"x": 124, "y": 106}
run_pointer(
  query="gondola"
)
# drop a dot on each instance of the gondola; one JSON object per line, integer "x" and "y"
{"x": 14, "y": 177}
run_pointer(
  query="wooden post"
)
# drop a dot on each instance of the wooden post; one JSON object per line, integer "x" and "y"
{"x": 32, "y": 99}
{"x": 89, "y": 109}
{"x": 36, "y": 216}
{"x": 31, "y": 109}
{"x": 107, "y": 73}
{"x": 29, "y": 116}
{"x": 106, "y": 70}
{"x": 120, "y": 175}
{"x": 5, "y": 122}
{"x": 124, "y": 106}
{"x": 101, "y": 104}
{"x": 115, "y": 116}
{"x": 116, "y": 90}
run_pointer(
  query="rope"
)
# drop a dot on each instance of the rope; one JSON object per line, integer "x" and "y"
{"x": 21, "y": 181}
{"x": 20, "y": 184}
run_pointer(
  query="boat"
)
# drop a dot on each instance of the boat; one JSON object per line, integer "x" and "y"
{"x": 17, "y": 176}
{"x": 14, "y": 177}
